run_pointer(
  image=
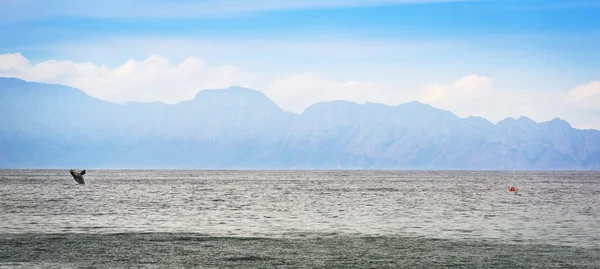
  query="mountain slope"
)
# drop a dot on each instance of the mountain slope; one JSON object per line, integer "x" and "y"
{"x": 45, "y": 125}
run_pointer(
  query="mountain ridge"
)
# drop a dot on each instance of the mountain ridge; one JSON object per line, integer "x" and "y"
{"x": 196, "y": 96}
{"x": 242, "y": 128}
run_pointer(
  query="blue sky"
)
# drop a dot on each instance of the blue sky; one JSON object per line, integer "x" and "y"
{"x": 524, "y": 56}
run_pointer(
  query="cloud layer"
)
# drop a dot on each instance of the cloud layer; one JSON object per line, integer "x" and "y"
{"x": 475, "y": 95}
{"x": 153, "y": 79}
{"x": 586, "y": 96}
{"x": 157, "y": 79}
{"x": 298, "y": 91}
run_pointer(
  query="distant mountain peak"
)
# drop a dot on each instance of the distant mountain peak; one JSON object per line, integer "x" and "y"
{"x": 7, "y": 82}
{"x": 558, "y": 122}
{"x": 14, "y": 79}
{"x": 420, "y": 111}
{"x": 233, "y": 91}
{"x": 522, "y": 121}
{"x": 525, "y": 122}
{"x": 235, "y": 96}
{"x": 525, "y": 119}
{"x": 15, "y": 88}
{"x": 337, "y": 105}
{"x": 238, "y": 88}
{"x": 153, "y": 103}
{"x": 481, "y": 121}
{"x": 419, "y": 106}
{"x": 416, "y": 104}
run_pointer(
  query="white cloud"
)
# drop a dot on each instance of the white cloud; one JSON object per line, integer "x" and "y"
{"x": 585, "y": 96}
{"x": 153, "y": 79}
{"x": 298, "y": 91}
{"x": 464, "y": 97}
{"x": 470, "y": 88}
{"x": 13, "y": 63}
{"x": 473, "y": 85}
{"x": 474, "y": 95}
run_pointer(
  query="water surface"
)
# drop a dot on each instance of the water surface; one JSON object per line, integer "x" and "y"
{"x": 299, "y": 218}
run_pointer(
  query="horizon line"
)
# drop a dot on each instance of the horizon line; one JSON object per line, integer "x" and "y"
{"x": 320, "y": 169}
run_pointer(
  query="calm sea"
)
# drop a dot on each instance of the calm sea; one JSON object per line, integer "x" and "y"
{"x": 299, "y": 219}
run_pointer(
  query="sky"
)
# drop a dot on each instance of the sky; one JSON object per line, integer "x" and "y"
{"x": 488, "y": 58}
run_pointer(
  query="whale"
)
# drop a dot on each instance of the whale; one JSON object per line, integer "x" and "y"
{"x": 78, "y": 176}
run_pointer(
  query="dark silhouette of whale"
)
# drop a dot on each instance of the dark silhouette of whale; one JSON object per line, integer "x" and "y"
{"x": 78, "y": 176}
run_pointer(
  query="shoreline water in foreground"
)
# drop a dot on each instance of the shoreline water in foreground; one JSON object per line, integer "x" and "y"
{"x": 162, "y": 250}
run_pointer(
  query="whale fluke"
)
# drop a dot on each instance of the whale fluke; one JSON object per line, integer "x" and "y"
{"x": 78, "y": 176}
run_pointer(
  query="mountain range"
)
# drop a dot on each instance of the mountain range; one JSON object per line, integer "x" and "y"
{"x": 55, "y": 126}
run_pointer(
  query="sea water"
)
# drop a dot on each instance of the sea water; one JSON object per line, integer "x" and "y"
{"x": 299, "y": 219}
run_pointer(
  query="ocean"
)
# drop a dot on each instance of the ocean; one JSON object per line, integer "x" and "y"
{"x": 299, "y": 219}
